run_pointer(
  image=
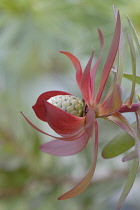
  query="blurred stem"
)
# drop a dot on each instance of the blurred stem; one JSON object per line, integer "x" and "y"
{"x": 135, "y": 107}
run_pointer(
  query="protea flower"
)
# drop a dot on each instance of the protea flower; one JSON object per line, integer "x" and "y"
{"x": 75, "y": 119}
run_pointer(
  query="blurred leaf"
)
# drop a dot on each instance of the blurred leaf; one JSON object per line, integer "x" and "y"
{"x": 129, "y": 183}
{"x": 133, "y": 64}
{"x": 121, "y": 53}
{"x": 14, "y": 178}
{"x": 130, "y": 77}
{"x": 118, "y": 145}
{"x": 134, "y": 34}
{"x": 130, "y": 156}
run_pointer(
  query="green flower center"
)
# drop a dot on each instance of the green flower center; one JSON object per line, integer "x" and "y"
{"x": 68, "y": 103}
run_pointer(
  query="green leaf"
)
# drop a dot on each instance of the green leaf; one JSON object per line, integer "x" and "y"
{"x": 118, "y": 145}
{"x": 134, "y": 34}
{"x": 129, "y": 183}
{"x": 121, "y": 53}
{"x": 130, "y": 77}
{"x": 133, "y": 63}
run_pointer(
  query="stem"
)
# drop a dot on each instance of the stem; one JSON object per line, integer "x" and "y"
{"x": 135, "y": 107}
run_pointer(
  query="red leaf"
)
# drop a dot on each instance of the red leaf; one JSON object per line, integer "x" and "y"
{"x": 111, "y": 103}
{"x": 65, "y": 148}
{"x": 39, "y": 107}
{"x": 86, "y": 82}
{"x": 95, "y": 67}
{"x": 61, "y": 148}
{"x": 86, "y": 180}
{"x": 63, "y": 122}
{"x": 110, "y": 59}
{"x": 77, "y": 66}
{"x": 66, "y": 138}
{"x": 121, "y": 121}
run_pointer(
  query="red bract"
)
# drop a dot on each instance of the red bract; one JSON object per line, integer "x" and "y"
{"x": 75, "y": 131}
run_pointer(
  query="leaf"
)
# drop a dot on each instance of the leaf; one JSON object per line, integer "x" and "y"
{"x": 130, "y": 156}
{"x": 129, "y": 183}
{"x": 118, "y": 145}
{"x": 65, "y": 148}
{"x": 121, "y": 53}
{"x": 63, "y": 122}
{"x": 66, "y": 138}
{"x": 39, "y": 107}
{"x": 111, "y": 102}
{"x": 134, "y": 34}
{"x": 86, "y": 82}
{"x": 110, "y": 59}
{"x": 86, "y": 180}
{"x": 130, "y": 77}
{"x": 122, "y": 122}
{"x": 77, "y": 66}
{"x": 133, "y": 63}
{"x": 95, "y": 67}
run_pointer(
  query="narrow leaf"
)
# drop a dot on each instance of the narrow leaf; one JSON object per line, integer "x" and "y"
{"x": 121, "y": 121}
{"x": 95, "y": 67}
{"x": 138, "y": 135}
{"x": 86, "y": 180}
{"x": 110, "y": 59}
{"x": 129, "y": 183}
{"x": 130, "y": 77}
{"x": 111, "y": 103}
{"x": 133, "y": 63}
{"x": 77, "y": 66}
{"x": 121, "y": 53}
{"x": 67, "y": 138}
{"x": 134, "y": 34}
{"x": 86, "y": 81}
{"x": 65, "y": 148}
{"x": 130, "y": 156}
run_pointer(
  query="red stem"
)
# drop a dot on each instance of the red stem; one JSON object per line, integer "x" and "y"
{"x": 133, "y": 108}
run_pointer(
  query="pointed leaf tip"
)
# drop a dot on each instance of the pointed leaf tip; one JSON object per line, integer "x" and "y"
{"x": 77, "y": 66}
{"x": 86, "y": 180}
{"x": 110, "y": 59}
{"x": 129, "y": 183}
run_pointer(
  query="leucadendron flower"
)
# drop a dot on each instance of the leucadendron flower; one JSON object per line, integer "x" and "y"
{"x": 74, "y": 119}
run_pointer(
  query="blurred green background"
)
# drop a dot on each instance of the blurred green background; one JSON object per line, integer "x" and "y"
{"x": 31, "y": 34}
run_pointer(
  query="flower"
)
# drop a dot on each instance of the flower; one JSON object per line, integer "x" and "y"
{"x": 75, "y": 120}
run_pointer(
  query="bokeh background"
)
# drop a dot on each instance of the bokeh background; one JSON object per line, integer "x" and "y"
{"x": 31, "y": 34}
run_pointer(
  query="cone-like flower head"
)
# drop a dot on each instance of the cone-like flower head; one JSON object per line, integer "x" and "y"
{"x": 68, "y": 103}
